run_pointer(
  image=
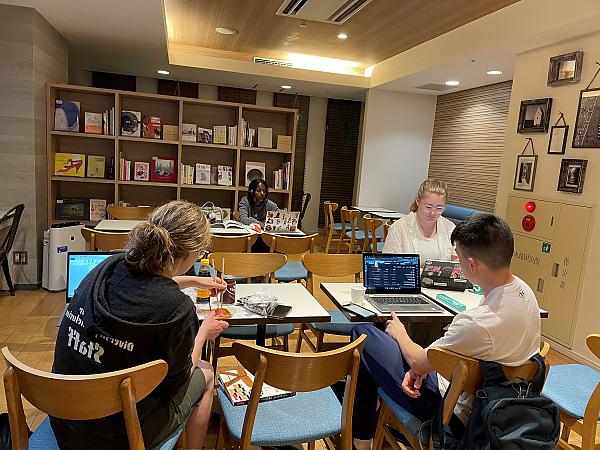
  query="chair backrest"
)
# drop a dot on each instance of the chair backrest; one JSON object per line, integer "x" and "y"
{"x": 247, "y": 265}
{"x": 236, "y": 215}
{"x": 13, "y": 214}
{"x": 370, "y": 226}
{"x": 593, "y": 343}
{"x": 349, "y": 216}
{"x": 300, "y": 372}
{"x": 386, "y": 229}
{"x": 289, "y": 245}
{"x": 331, "y": 265}
{"x": 129, "y": 212}
{"x": 328, "y": 210}
{"x": 78, "y": 397}
{"x": 305, "y": 201}
{"x": 104, "y": 240}
{"x": 465, "y": 375}
{"x": 236, "y": 244}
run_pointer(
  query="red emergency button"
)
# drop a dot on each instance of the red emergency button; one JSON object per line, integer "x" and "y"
{"x": 528, "y": 223}
{"x": 530, "y": 207}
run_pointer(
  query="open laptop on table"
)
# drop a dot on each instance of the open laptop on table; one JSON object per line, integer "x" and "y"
{"x": 393, "y": 283}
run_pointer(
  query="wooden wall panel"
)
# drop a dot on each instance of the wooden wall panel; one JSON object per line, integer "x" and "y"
{"x": 237, "y": 95}
{"x": 467, "y": 143}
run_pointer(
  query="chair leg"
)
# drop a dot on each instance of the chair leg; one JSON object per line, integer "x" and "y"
{"x": 6, "y": 271}
{"x": 300, "y": 335}
{"x": 384, "y": 413}
{"x": 215, "y": 355}
{"x": 311, "y": 445}
{"x": 286, "y": 343}
{"x": 320, "y": 340}
{"x": 181, "y": 441}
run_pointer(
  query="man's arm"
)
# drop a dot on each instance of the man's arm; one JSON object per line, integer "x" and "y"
{"x": 414, "y": 354}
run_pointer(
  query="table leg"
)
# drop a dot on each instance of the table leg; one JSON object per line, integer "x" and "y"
{"x": 261, "y": 334}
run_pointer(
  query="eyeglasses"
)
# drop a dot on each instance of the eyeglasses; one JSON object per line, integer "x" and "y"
{"x": 436, "y": 209}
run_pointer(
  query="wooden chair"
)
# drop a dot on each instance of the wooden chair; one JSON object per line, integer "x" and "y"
{"x": 237, "y": 244}
{"x": 331, "y": 230}
{"x": 353, "y": 237}
{"x": 14, "y": 216}
{"x": 293, "y": 247}
{"x": 103, "y": 240}
{"x": 464, "y": 375}
{"x": 236, "y": 215}
{"x": 325, "y": 265}
{"x": 129, "y": 212}
{"x": 370, "y": 243}
{"x": 575, "y": 388}
{"x": 79, "y": 397}
{"x": 248, "y": 265}
{"x": 310, "y": 376}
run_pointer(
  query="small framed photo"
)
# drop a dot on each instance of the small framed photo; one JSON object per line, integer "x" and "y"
{"x": 572, "y": 175}
{"x": 525, "y": 173}
{"x": 565, "y": 69}
{"x": 587, "y": 124}
{"x": 558, "y": 139}
{"x": 534, "y": 115}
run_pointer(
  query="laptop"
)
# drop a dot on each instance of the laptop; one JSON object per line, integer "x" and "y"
{"x": 79, "y": 264}
{"x": 393, "y": 283}
{"x": 285, "y": 221}
{"x": 444, "y": 275}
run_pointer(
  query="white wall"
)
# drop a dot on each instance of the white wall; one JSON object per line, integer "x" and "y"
{"x": 313, "y": 168}
{"x": 397, "y": 130}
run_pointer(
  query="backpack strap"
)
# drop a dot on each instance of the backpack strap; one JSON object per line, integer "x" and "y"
{"x": 538, "y": 380}
{"x": 492, "y": 374}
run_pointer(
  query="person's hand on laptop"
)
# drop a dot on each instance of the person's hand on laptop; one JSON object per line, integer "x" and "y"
{"x": 394, "y": 327}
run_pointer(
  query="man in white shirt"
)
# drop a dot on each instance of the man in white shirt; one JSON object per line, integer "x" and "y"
{"x": 505, "y": 327}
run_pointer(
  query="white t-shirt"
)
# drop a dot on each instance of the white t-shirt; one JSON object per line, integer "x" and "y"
{"x": 405, "y": 236}
{"x": 505, "y": 328}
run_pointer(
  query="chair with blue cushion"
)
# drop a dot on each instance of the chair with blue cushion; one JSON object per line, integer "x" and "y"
{"x": 352, "y": 238}
{"x": 457, "y": 214}
{"x": 313, "y": 413}
{"x": 80, "y": 397}
{"x": 238, "y": 244}
{"x": 332, "y": 231}
{"x": 575, "y": 388}
{"x": 292, "y": 247}
{"x": 464, "y": 374}
{"x": 371, "y": 240}
{"x": 330, "y": 266}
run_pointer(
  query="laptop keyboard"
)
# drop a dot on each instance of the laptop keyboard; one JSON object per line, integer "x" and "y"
{"x": 399, "y": 300}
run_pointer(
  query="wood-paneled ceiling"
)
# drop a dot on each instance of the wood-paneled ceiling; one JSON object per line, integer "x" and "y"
{"x": 380, "y": 30}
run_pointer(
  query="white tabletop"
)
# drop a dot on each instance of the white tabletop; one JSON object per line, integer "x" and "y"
{"x": 117, "y": 225}
{"x": 305, "y": 308}
{"x": 372, "y": 209}
{"x": 394, "y": 215}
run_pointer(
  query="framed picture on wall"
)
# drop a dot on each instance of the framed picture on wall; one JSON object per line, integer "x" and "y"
{"x": 525, "y": 173}
{"x": 558, "y": 139}
{"x": 572, "y": 175}
{"x": 534, "y": 115}
{"x": 565, "y": 69}
{"x": 587, "y": 126}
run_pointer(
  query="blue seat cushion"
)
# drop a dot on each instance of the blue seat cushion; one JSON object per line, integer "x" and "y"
{"x": 43, "y": 437}
{"x": 292, "y": 271}
{"x": 406, "y": 418}
{"x": 249, "y": 331}
{"x": 339, "y": 325}
{"x": 304, "y": 417}
{"x": 570, "y": 386}
{"x": 358, "y": 234}
{"x": 170, "y": 441}
{"x": 338, "y": 226}
{"x": 380, "y": 246}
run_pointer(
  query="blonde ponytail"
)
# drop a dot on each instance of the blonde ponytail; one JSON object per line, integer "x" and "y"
{"x": 432, "y": 186}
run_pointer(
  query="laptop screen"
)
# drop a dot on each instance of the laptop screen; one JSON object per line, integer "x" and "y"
{"x": 388, "y": 272}
{"x": 79, "y": 264}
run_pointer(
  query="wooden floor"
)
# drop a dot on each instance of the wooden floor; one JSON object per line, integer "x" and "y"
{"x": 28, "y": 328}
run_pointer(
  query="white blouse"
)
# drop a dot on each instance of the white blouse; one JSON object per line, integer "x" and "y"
{"x": 405, "y": 236}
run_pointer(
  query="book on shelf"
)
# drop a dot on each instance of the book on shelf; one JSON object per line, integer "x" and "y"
{"x": 163, "y": 170}
{"x": 202, "y": 173}
{"x": 93, "y": 123}
{"x": 69, "y": 164}
{"x": 265, "y": 137}
{"x": 214, "y": 174}
{"x": 72, "y": 209}
{"x": 188, "y": 132}
{"x": 232, "y": 135}
{"x": 187, "y": 174}
{"x": 151, "y": 127}
{"x": 251, "y": 137}
{"x": 204, "y": 135}
{"x": 111, "y": 168}
{"x": 95, "y": 166}
{"x": 237, "y": 385}
{"x": 225, "y": 176}
{"x": 124, "y": 168}
{"x": 284, "y": 142}
{"x": 97, "y": 209}
{"x": 254, "y": 170}
{"x": 220, "y": 134}
{"x": 141, "y": 171}
{"x": 66, "y": 115}
{"x": 131, "y": 123}
{"x": 170, "y": 132}
{"x": 281, "y": 177}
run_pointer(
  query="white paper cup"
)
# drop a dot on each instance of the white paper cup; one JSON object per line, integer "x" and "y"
{"x": 357, "y": 294}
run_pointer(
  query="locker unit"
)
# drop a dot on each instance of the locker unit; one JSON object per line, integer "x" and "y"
{"x": 551, "y": 239}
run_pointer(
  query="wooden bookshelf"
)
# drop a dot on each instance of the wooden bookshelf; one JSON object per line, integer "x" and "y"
{"x": 172, "y": 111}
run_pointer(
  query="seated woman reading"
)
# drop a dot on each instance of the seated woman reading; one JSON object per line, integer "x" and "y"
{"x": 130, "y": 310}
{"x": 253, "y": 208}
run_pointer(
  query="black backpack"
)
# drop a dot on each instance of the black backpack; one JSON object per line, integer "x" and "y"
{"x": 506, "y": 414}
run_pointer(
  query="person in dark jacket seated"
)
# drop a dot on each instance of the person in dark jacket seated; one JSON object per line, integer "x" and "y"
{"x": 253, "y": 208}
{"x": 130, "y": 310}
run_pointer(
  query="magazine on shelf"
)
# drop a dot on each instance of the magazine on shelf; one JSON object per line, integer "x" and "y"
{"x": 237, "y": 385}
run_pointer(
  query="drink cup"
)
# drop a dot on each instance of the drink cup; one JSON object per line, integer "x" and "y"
{"x": 229, "y": 294}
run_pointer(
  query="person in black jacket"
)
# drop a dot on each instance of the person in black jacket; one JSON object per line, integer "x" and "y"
{"x": 130, "y": 310}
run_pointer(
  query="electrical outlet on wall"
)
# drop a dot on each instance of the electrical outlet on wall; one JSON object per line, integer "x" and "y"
{"x": 24, "y": 258}
{"x": 16, "y": 258}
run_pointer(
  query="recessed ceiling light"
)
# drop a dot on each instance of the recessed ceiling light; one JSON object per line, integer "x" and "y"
{"x": 342, "y": 36}
{"x": 163, "y": 72}
{"x": 494, "y": 72}
{"x": 285, "y": 86}
{"x": 452, "y": 83}
{"x": 226, "y": 30}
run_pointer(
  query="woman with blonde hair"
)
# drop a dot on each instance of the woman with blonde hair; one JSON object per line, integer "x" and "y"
{"x": 424, "y": 230}
{"x": 130, "y": 310}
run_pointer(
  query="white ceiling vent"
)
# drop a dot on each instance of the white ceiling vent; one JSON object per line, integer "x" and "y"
{"x": 435, "y": 87}
{"x": 328, "y": 11}
{"x": 272, "y": 62}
